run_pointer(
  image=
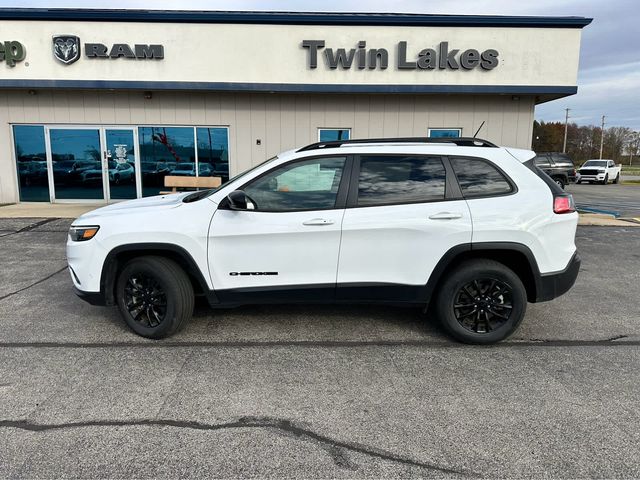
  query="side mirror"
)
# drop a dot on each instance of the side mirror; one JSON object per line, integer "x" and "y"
{"x": 238, "y": 200}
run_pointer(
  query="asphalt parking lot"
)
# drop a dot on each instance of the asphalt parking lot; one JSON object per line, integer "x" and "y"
{"x": 319, "y": 391}
{"x": 620, "y": 200}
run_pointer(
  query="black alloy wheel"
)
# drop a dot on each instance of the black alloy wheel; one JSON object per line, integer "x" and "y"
{"x": 480, "y": 301}
{"x": 154, "y": 296}
{"x": 483, "y": 305}
{"x": 145, "y": 300}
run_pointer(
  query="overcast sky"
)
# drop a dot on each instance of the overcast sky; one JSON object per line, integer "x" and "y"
{"x": 609, "y": 78}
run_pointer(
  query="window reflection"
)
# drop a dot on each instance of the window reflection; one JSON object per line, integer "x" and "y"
{"x": 307, "y": 185}
{"x": 334, "y": 134}
{"x": 400, "y": 179}
{"x": 479, "y": 178}
{"x": 121, "y": 164}
{"x": 213, "y": 152}
{"x": 31, "y": 161}
{"x": 77, "y": 168}
{"x": 163, "y": 150}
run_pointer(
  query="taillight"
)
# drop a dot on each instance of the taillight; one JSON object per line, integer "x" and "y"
{"x": 563, "y": 204}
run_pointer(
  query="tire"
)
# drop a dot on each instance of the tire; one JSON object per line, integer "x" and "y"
{"x": 507, "y": 289}
{"x": 137, "y": 282}
{"x": 606, "y": 179}
{"x": 560, "y": 182}
{"x": 617, "y": 179}
{"x": 578, "y": 182}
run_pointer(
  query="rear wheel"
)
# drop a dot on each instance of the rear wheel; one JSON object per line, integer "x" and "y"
{"x": 617, "y": 179}
{"x": 559, "y": 181}
{"x": 155, "y": 296}
{"x": 481, "y": 301}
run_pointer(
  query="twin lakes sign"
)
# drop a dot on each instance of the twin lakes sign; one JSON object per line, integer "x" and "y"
{"x": 441, "y": 57}
{"x": 67, "y": 49}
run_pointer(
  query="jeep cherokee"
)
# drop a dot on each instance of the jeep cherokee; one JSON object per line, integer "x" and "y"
{"x": 472, "y": 230}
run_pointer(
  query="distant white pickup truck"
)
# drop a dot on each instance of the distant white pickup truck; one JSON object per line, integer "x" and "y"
{"x": 601, "y": 171}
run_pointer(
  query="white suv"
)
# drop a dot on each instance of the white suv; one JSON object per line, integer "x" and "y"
{"x": 469, "y": 228}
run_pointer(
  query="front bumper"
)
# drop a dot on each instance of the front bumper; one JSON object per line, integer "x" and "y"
{"x": 591, "y": 178}
{"x": 550, "y": 286}
{"x": 92, "y": 298}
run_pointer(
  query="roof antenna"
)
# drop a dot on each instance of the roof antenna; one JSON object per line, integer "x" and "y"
{"x": 479, "y": 128}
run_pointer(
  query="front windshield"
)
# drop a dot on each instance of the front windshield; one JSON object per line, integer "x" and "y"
{"x": 595, "y": 163}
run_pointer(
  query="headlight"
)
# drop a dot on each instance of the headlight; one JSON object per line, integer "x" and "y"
{"x": 81, "y": 234}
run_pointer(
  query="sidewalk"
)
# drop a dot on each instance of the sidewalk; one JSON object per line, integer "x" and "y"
{"x": 46, "y": 210}
{"x": 74, "y": 210}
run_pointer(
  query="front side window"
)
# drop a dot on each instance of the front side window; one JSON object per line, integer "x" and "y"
{"x": 333, "y": 134}
{"x": 445, "y": 132}
{"x": 478, "y": 178}
{"x": 393, "y": 179}
{"x": 306, "y": 185}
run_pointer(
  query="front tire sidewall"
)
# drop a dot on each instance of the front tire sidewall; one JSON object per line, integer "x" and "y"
{"x": 476, "y": 270}
{"x": 158, "y": 270}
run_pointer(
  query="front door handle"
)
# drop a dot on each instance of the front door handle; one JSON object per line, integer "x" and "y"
{"x": 318, "y": 221}
{"x": 445, "y": 216}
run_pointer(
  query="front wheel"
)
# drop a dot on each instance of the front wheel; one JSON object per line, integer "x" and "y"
{"x": 606, "y": 179}
{"x": 155, "y": 296}
{"x": 481, "y": 302}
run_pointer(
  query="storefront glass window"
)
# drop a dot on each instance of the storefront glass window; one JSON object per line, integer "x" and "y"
{"x": 31, "y": 161}
{"x": 445, "y": 132}
{"x": 77, "y": 164}
{"x": 333, "y": 134}
{"x": 213, "y": 152}
{"x": 165, "y": 151}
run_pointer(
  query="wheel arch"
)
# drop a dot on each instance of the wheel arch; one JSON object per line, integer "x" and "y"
{"x": 120, "y": 255}
{"x": 516, "y": 256}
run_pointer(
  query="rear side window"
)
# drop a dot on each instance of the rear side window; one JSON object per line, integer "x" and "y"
{"x": 478, "y": 178}
{"x": 542, "y": 160}
{"x": 393, "y": 179}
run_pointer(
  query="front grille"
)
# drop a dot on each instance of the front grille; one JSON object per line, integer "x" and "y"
{"x": 588, "y": 172}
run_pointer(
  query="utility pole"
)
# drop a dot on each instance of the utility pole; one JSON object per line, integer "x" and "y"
{"x": 566, "y": 122}
{"x": 601, "y": 136}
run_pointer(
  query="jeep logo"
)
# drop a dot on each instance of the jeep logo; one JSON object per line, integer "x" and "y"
{"x": 12, "y": 52}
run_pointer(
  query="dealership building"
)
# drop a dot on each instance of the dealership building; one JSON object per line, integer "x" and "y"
{"x": 101, "y": 105}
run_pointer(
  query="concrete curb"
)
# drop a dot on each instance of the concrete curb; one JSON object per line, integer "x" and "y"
{"x": 602, "y": 220}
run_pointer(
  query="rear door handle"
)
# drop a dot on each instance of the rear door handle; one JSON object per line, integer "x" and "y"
{"x": 445, "y": 216}
{"x": 318, "y": 222}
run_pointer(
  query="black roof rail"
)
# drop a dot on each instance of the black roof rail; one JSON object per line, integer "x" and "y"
{"x": 459, "y": 141}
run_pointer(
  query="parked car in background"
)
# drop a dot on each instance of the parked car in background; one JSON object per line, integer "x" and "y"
{"x": 70, "y": 171}
{"x": 601, "y": 171}
{"x": 33, "y": 172}
{"x": 558, "y": 166}
{"x": 188, "y": 169}
{"x": 118, "y": 173}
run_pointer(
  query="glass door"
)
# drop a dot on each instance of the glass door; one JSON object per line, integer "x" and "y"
{"x": 120, "y": 163}
{"x": 75, "y": 160}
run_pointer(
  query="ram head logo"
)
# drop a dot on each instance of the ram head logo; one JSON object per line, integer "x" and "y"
{"x": 66, "y": 48}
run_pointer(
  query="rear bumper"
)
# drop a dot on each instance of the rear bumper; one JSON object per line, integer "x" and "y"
{"x": 550, "y": 286}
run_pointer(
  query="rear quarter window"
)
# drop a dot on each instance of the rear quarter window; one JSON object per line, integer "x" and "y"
{"x": 479, "y": 178}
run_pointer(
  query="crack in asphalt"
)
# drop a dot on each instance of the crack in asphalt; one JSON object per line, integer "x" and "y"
{"x": 327, "y": 344}
{"x": 30, "y": 227}
{"x": 33, "y": 284}
{"x": 335, "y": 448}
